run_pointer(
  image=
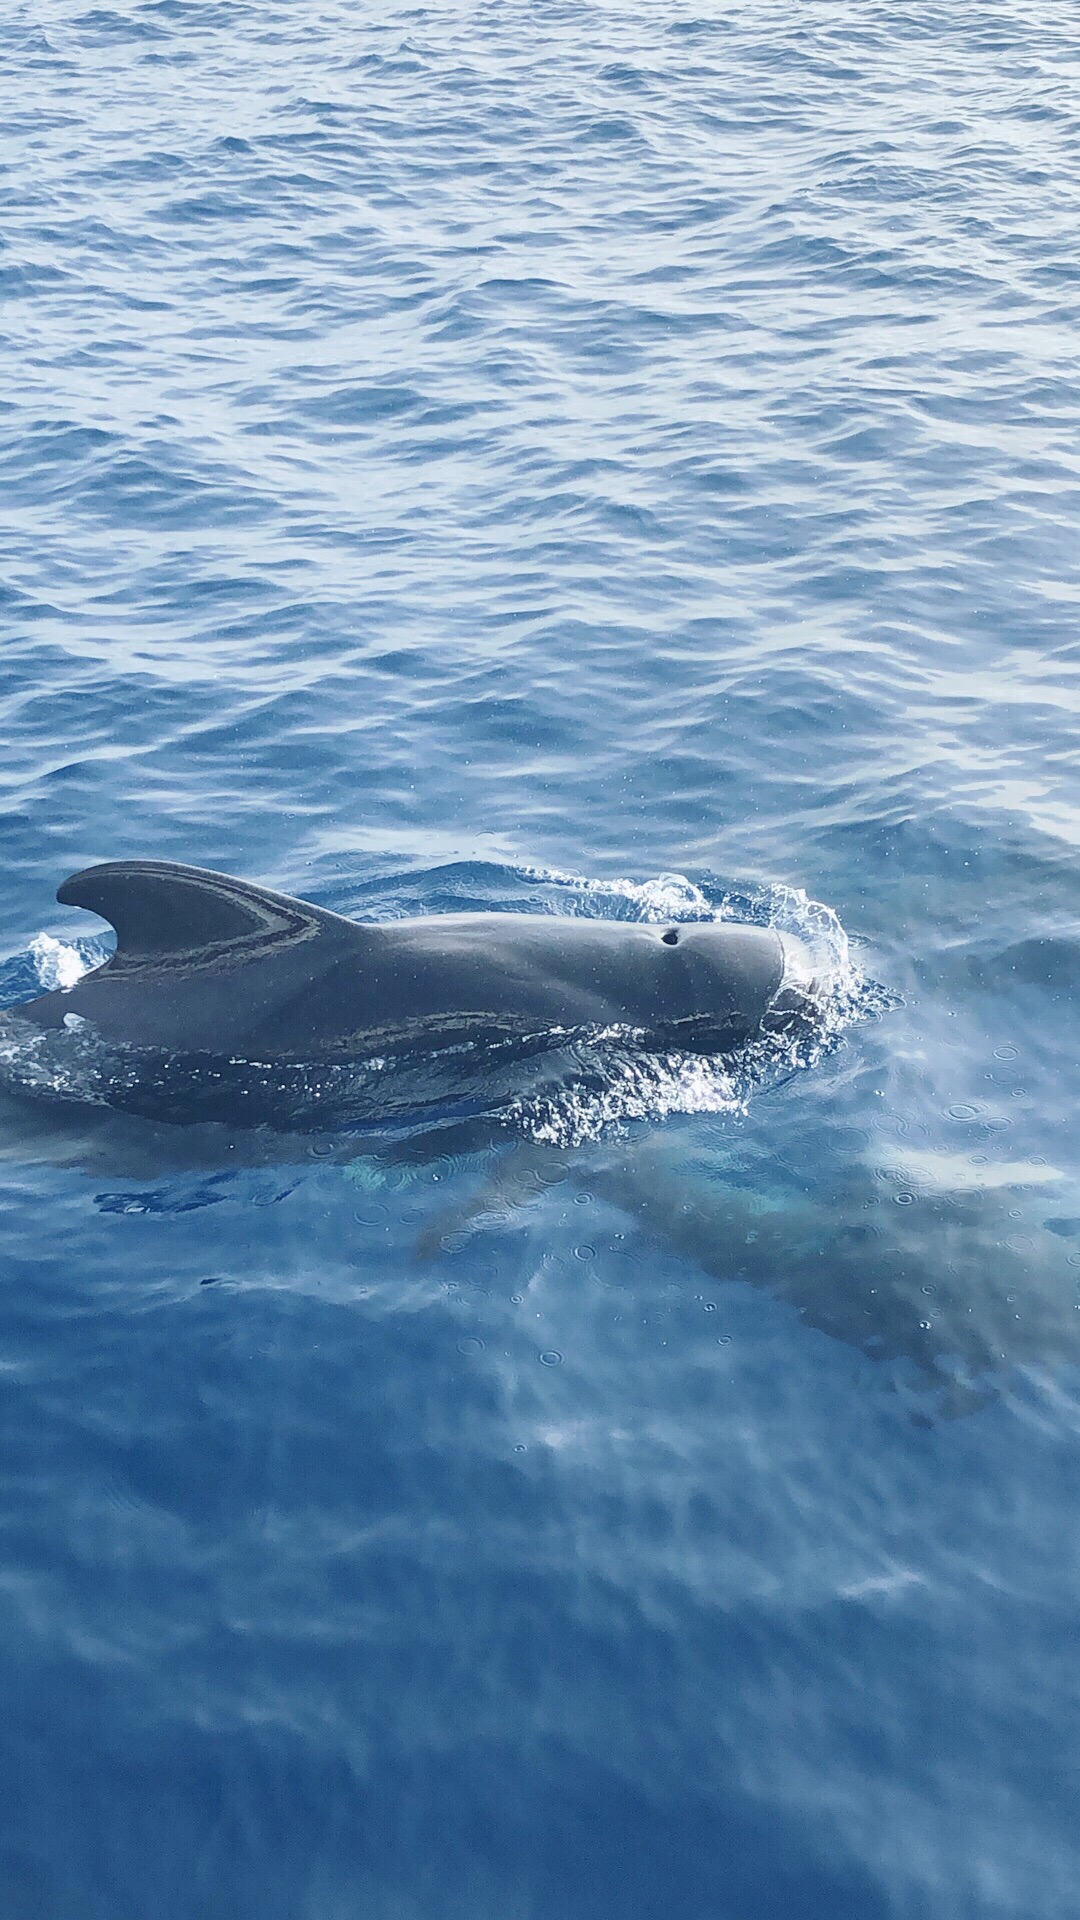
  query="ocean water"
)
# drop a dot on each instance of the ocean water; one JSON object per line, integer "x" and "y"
{"x": 594, "y": 459}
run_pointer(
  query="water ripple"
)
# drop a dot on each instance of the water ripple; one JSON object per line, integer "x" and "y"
{"x": 588, "y": 459}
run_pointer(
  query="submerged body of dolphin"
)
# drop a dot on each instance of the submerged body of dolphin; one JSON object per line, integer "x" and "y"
{"x": 951, "y": 1296}
{"x": 212, "y": 967}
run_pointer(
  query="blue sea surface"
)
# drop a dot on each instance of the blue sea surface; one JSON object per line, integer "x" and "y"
{"x": 599, "y": 459}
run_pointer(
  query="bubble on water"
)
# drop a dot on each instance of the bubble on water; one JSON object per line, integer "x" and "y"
{"x": 551, "y": 1357}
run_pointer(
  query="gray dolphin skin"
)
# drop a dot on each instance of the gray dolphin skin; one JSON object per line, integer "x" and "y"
{"x": 212, "y": 965}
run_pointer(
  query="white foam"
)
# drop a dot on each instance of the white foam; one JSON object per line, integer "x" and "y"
{"x": 57, "y": 964}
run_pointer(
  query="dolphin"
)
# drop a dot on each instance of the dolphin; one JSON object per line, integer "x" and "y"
{"x": 215, "y": 968}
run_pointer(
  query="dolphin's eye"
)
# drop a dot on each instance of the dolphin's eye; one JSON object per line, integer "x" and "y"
{"x": 671, "y": 937}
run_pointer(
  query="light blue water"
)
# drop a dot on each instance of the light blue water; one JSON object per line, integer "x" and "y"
{"x": 594, "y": 458}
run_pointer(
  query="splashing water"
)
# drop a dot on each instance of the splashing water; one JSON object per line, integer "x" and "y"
{"x": 671, "y": 896}
{"x": 59, "y": 964}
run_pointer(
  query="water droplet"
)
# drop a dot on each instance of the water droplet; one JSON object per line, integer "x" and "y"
{"x": 710, "y": 1306}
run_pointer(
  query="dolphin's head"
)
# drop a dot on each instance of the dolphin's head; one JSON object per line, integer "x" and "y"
{"x": 729, "y": 980}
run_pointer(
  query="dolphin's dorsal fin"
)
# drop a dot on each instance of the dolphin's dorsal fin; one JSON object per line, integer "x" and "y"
{"x": 161, "y": 910}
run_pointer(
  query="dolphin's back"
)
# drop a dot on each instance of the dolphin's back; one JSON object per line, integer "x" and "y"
{"x": 201, "y": 961}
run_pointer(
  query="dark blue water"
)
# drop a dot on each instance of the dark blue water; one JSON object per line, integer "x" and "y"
{"x": 602, "y": 459}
